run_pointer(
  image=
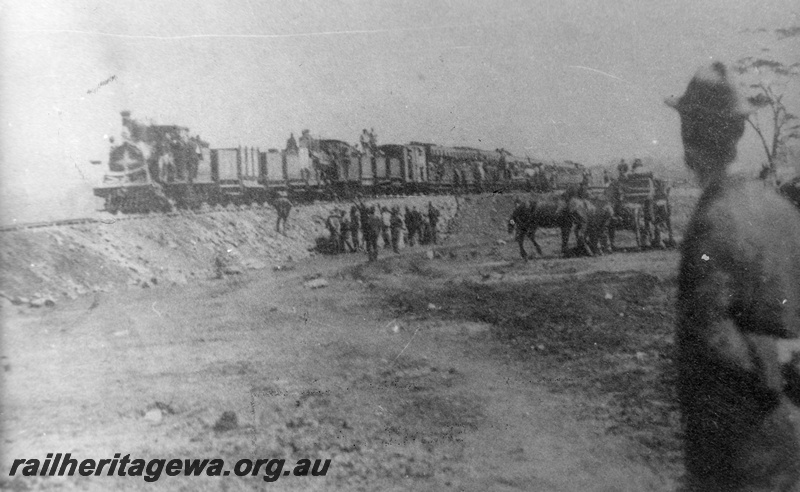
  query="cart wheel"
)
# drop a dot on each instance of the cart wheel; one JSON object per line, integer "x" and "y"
{"x": 637, "y": 228}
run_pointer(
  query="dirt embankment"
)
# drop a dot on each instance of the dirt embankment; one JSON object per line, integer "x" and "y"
{"x": 68, "y": 261}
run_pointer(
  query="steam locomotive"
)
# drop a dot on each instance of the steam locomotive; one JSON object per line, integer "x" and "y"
{"x": 157, "y": 168}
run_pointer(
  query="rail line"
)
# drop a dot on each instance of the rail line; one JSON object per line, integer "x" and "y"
{"x": 111, "y": 219}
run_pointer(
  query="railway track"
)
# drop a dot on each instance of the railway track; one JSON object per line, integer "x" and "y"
{"x": 111, "y": 219}
{"x": 51, "y": 223}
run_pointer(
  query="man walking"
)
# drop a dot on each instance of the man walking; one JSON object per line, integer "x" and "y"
{"x": 282, "y": 206}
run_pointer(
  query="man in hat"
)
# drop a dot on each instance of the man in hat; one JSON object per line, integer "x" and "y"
{"x": 420, "y": 225}
{"x": 386, "y": 221}
{"x": 433, "y": 220}
{"x": 291, "y": 144}
{"x": 282, "y": 206}
{"x": 355, "y": 226}
{"x": 738, "y": 331}
{"x": 373, "y": 141}
{"x": 347, "y": 233}
{"x": 374, "y": 226}
{"x": 334, "y": 224}
{"x": 396, "y": 223}
{"x": 411, "y": 229}
{"x": 365, "y": 141}
{"x": 622, "y": 170}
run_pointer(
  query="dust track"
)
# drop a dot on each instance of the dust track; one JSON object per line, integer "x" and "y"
{"x": 468, "y": 371}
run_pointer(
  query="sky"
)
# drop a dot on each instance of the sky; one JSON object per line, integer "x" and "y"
{"x": 583, "y": 81}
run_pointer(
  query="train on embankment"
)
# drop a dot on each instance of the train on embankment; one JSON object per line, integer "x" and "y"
{"x": 158, "y": 168}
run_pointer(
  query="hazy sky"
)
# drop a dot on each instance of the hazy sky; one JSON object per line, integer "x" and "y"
{"x": 554, "y": 80}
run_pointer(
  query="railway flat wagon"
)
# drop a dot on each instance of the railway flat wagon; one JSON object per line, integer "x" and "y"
{"x": 381, "y": 173}
{"x": 363, "y": 163}
{"x": 273, "y": 175}
{"x": 225, "y": 172}
{"x": 250, "y": 175}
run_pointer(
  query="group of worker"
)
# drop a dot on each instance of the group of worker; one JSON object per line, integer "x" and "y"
{"x": 364, "y": 226}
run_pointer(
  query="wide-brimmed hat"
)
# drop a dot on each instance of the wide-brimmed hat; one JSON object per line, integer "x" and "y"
{"x": 712, "y": 91}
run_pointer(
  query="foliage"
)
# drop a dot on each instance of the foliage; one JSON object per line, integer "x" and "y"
{"x": 768, "y": 83}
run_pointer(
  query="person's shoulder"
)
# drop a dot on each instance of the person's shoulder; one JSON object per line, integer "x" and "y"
{"x": 758, "y": 202}
{"x": 743, "y": 214}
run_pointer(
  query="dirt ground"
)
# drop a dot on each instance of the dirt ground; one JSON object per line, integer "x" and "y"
{"x": 457, "y": 367}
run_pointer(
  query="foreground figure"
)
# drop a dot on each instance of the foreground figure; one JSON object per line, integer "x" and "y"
{"x": 739, "y": 309}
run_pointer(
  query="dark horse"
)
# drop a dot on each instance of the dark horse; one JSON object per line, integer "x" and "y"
{"x": 547, "y": 213}
{"x": 591, "y": 219}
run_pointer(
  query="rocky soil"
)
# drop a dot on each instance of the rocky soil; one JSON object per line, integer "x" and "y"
{"x": 39, "y": 266}
{"x": 457, "y": 367}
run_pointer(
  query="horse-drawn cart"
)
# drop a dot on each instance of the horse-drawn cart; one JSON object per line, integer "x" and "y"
{"x": 641, "y": 205}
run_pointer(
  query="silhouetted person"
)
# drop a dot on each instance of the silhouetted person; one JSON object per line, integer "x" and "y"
{"x": 737, "y": 340}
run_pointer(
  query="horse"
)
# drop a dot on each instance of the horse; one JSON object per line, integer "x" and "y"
{"x": 544, "y": 213}
{"x": 594, "y": 230}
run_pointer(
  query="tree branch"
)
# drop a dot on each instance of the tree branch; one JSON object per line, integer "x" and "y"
{"x": 763, "y": 140}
